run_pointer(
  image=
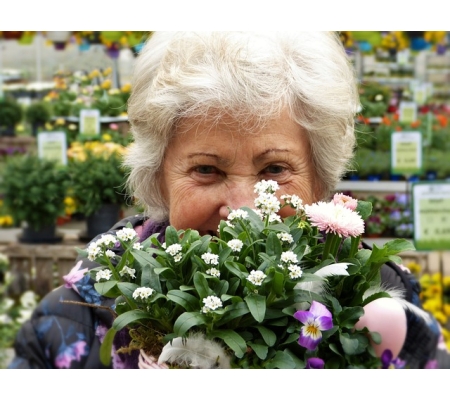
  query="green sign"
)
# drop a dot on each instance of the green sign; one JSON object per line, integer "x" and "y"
{"x": 431, "y": 212}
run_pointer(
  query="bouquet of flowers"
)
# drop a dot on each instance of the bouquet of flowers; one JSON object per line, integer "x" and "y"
{"x": 266, "y": 292}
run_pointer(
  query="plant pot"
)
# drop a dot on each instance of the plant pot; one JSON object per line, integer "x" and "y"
{"x": 45, "y": 234}
{"x": 101, "y": 221}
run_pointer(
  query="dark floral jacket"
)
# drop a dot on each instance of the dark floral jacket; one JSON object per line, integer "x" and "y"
{"x": 67, "y": 327}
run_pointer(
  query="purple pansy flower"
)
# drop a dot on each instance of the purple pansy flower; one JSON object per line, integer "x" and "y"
{"x": 315, "y": 363}
{"x": 316, "y": 320}
{"x": 388, "y": 362}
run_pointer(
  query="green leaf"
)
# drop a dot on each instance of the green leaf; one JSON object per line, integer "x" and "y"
{"x": 349, "y": 316}
{"x": 149, "y": 278}
{"x": 268, "y": 335}
{"x": 260, "y": 350}
{"x": 232, "y": 312}
{"x": 233, "y": 340}
{"x": 281, "y": 360}
{"x": 235, "y": 268}
{"x": 106, "y": 347}
{"x": 257, "y": 306}
{"x": 201, "y": 285}
{"x": 184, "y": 299}
{"x": 127, "y": 289}
{"x": 278, "y": 280}
{"x": 364, "y": 208}
{"x": 171, "y": 236}
{"x": 128, "y": 318}
{"x": 273, "y": 245}
{"x": 107, "y": 289}
{"x": 187, "y": 320}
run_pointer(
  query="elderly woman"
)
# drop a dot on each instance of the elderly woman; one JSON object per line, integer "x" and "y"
{"x": 213, "y": 113}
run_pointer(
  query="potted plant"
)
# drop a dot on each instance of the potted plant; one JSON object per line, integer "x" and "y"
{"x": 97, "y": 181}
{"x": 34, "y": 190}
{"x": 11, "y": 114}
{"x": 37, "y": 114}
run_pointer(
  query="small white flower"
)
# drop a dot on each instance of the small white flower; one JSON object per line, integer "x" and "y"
{"x": 178, "y": 257}
{"x": 142, "y": 293}
{"x": 94, "y": 251}
{"x": 295, "y": 201}
{"x": 126, "y": 234}
{"x": 274, "y": 218}
{"x": 211, "y": 303}
{"x": 289, "y": 257}
{"x": 103, "y": 274}
{"x": 174, "y": 249}
{"x": 210, "y": 258}
{"x": 213, "y": 272}
{"x": 285, "y": 237}
{"x": 307, "y": 250}
{"x": 164, "y": 245}
{"x": 137, "y": 246}
{"x": 128, "y": 271}
{"x": 107, "y": 240}
{"x": 266, "y": 186}
{"x": 267, "y": 203}
{"x": 256, "y": 277}
{"x": 110, "y": 254}
{"x": 235, "y": 244}
{"x": 296, "y": 271}
{"x": 237, "y": 214}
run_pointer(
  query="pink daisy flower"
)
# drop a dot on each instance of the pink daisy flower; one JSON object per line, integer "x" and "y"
{"x": 346, "y": 201}
{"x": 335, "y": 218}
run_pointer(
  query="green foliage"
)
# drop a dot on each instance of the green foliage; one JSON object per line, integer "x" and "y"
{"x": 254, "y": 321}
{"x": 11, "y": 112}
{"x": 38, "y": 112}
{"x": 96, "y": 180}
{"x": 34, "y": 189}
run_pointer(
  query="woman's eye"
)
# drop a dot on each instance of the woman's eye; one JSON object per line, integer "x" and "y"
{"x": 206, "y": 169}
{"x": 273, "y": 169}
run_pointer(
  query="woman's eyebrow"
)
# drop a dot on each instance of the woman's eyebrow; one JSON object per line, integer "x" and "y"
{"x": 218, "y": 160}
{"x": 268, "y": 152}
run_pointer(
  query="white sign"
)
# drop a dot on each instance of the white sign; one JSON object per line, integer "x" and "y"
{"x": 406, "y": 153}
{"x": 407, "y": 111}
{"x": 431, "y": 212}
{"x": 53, "y": 146}
{"x": 90, "y": 122}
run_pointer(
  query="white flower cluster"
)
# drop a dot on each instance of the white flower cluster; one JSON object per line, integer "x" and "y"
{"x": 256, "y": 277}
{"x": 211, "y": 303}
{"x": 126, "y": 270}
{"x": 293, "y": 200}
{"x": 289, "y": 260}
{"x": 236, "y": 214}
{"x": 267, "y": 203}
{"x": 210, "y": 258}
{"x": 104, "y": 274}
{"x": 235, "y": 245}
{"x": 213, "y": 272}
{"x": 126, "y": 234}
{"x": 266, "y": 187}
{"x": 142, "y": 293}
{"x": 175, "y": 251}
{"x": 285, "y": 237}
{"x": 103, "y": 245}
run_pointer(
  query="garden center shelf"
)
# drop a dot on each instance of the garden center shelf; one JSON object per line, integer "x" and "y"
{"x": 375, "y": 186}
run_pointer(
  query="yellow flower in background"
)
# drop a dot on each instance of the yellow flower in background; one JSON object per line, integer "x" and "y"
{"x": 70, "y": 205}
{"x": 60, "y": 121}
{"x": 414, "y": 267}
{"x": 446, "y": 309}
{"x": 6, "y": 220}
{"x": 72, "y": 127}
{"x": 440, "y": 316}
{"x": 94, "y": 74}
{"x": 106, "y": 84}
{"x": 20, "y": 128}
{"x": 107, "y": 71}
{"x": 126, "y": 88}
{"x": 48, "y": 126}
{"x": 432, "y": 305}
{"x": 446, "y": 281}
{"x": 106, "y": 137}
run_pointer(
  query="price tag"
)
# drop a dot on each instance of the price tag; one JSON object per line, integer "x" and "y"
{"x": 406, "y": 153}
{"x": 431, "y": 215}
{"x": 90, "y": 122}
{"x": 53, "y": 146}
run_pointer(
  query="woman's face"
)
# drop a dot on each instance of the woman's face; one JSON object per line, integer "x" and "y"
{"x": 208, "y": 169}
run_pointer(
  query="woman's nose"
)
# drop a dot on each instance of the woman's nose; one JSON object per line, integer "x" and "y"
{"x": 237, "y": 196}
